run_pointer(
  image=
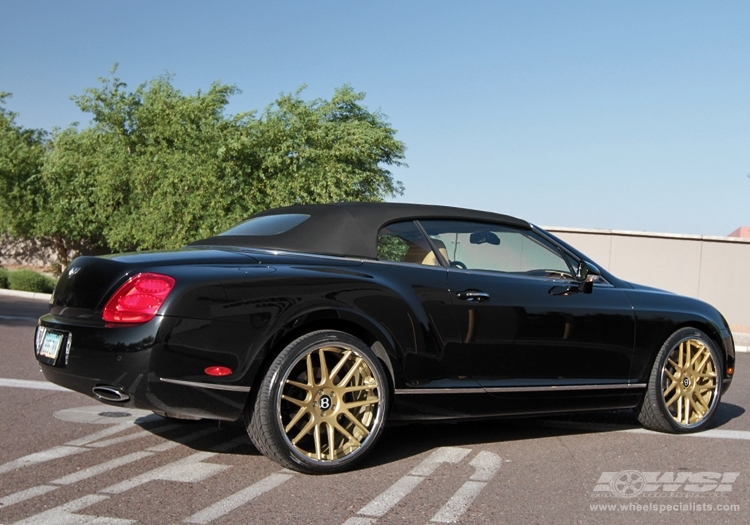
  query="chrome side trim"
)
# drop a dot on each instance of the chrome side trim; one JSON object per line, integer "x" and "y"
{"x": 502, "y": 389}
{"x": 439, "y": 391}
{"x": 212, "y": 386}
{"x": 608, "y": 386}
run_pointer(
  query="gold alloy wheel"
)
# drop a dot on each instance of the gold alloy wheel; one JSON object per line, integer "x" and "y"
{"x": 689, "y": 382}
{"x": 329, "y": 402}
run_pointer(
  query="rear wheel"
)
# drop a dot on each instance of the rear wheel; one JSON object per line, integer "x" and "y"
{"x": 684, "y": 388}
{"x": 321, "y": 406}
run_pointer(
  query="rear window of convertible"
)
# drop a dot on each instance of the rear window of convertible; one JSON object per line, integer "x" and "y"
{"x": 268, "y": 225}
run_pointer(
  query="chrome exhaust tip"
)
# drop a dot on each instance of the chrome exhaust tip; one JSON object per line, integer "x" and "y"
{"x": 110, "y": 393}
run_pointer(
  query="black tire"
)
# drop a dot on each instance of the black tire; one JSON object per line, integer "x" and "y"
{"x": 326, "y": 424}
{"x": 682, "y": 397}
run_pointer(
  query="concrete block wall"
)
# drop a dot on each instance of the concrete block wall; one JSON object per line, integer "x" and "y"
{"x": 713, "y": 269}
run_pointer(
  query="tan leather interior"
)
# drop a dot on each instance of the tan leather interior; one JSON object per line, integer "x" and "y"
{"x": 419, "y": 255}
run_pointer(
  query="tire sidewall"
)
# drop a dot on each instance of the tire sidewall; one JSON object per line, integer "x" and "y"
{"x": 656, "y": 377}
{"x": 274, "y": 382}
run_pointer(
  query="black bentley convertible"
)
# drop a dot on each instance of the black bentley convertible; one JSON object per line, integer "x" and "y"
{"x": 319, "y": 323}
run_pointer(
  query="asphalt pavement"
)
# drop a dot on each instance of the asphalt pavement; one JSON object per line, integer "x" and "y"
{"x": 64, "y": 458}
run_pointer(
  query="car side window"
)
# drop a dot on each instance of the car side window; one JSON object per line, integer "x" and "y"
{"x": 485, "y": 246}
{"x": 403, "y": 242}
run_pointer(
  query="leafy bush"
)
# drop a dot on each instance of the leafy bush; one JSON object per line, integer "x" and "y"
{"x": 30, "y": 281}
{"x": 4, "y": 278}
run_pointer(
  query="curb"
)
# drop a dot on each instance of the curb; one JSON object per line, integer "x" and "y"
{"x": 26, "y": 295}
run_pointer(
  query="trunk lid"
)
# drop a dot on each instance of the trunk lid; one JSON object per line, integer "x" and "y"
{"x": 88, "y": 282}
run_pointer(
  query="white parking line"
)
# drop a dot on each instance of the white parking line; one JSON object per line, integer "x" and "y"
{"x": 225, "y": 506}
{"x": 486, "y": 465}
{"x": 459, "y": 502}
{"x": 135, "y": 435}
{"x": 716, "y": 433}
{"x": 65, "y": 514}
{"x": 437, "y": 458}
{"x": 114, "y": 429}
{"x": 23, "y": 495}
{"x": 41, "y": 457}
{"x": 396, "y": 492}
{"x": 38, "y": 385}
{"x": 186, "y": 470}
{"x": 391, "y": 496}
{"x": 100, "y": 468}
{"x": 712, "y": 433}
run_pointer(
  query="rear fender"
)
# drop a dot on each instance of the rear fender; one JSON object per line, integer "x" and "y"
{"x": 355, "y": 323}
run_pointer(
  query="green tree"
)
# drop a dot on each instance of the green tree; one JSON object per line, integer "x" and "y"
{"x": 157, "y": 168}
{"x": 146, "y": 174}
{"x": 22, "y": 153}
{"x": 324, "y": 151}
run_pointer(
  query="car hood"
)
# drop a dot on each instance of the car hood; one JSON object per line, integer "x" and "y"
{"x": 643, "y": 297}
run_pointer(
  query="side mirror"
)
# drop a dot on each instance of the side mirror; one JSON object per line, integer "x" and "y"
{"x": 582, "y": 271}
{"x": 588, "y": 274}
{"x": 585, "y": 269}
{"x": 587, "y": 286}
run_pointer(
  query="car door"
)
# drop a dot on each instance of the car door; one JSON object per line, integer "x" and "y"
{"x": 418, "y": 312}
{"x": 523, "y": 322}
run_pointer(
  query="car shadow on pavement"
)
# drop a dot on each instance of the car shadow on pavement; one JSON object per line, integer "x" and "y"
{"x": 222, "y": 437}
{"x": 725, "y": 413}
{"x": 402, "y": 441}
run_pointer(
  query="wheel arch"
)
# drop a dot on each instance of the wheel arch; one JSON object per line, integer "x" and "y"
{"x": 376, "y": 337}
{"x": 726, "y": 350}
{"x": 703, "y": 324}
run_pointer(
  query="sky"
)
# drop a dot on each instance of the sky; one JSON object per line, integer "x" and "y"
{"x": 611, "y": 115}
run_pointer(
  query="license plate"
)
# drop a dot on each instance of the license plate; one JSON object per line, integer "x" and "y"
{"x": 51, "y": 346}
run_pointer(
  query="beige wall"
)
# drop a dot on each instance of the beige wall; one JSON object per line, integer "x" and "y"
{"x": 713, "y": 269}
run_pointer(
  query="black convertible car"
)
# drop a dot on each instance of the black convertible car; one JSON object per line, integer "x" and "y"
{"x": 319, "y": 323}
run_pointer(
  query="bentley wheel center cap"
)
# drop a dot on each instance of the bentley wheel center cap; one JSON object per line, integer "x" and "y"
{"x": 324, "y": 403}
{"x": 686, "y": 382}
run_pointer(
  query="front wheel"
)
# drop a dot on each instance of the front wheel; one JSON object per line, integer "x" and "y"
{"x": 684, "y": 388}
{"x": 322, "y": 404}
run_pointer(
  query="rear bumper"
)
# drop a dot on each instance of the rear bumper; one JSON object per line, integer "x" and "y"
{"x": 135, "y": 362}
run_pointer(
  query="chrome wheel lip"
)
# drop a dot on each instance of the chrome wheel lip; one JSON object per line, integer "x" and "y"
{"x": 716, "y": 391}
{"x": 377, "y": 419}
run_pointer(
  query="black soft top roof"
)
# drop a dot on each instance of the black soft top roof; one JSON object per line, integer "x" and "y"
{"x": 348, "y": 228}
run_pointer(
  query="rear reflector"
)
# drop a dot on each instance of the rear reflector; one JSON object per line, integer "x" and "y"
{"x": 218, "y": 371}
{"x": 138, "y": 300}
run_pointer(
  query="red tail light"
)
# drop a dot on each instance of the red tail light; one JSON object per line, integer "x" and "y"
{"x": 137, "y": 300}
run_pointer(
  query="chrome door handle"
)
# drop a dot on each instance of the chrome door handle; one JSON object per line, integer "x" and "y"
{"x": 474, "y": 296}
